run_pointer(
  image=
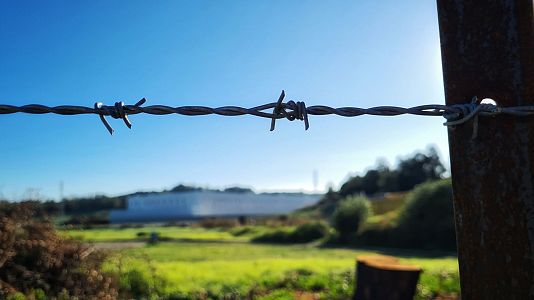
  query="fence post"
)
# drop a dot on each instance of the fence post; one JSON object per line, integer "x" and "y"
{"x": 487, "y": 51}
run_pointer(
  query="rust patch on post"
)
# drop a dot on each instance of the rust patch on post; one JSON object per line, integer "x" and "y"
{"x": 488, "y": 51}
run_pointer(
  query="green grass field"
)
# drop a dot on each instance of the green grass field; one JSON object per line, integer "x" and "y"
{"x": 214, "y": 263}
{"x": 115, "y": 234}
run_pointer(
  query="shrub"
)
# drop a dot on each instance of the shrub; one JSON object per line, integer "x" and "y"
{"x": 87, "y": 222}
{"x": 246, "y": 230}
{"x": 16, "y": 296}
{"x": 428, "y": 217}
{"x": 304, "y": 233}
{"x": 278, "y": 237}
{"x": 350, "y": 214}
{"x": 309, "y": 232}
{"x": 35, "y": 260}
{"x": 138, "y": 283}
{"x": 141, "y": 283}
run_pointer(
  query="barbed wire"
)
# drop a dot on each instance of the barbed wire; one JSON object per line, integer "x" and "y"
{"x": 454, "y": 114}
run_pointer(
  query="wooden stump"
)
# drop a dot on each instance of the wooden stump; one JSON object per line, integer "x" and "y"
{"x": 383, "y": 277}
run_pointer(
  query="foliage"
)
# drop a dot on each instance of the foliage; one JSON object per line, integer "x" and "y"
{"x": 33, "y": 257}
{"x": 409, "y": 172}
{"x": 244, "y": 230}
{"x": 276, "y": 237}
{"x": 428, "y": 217}
{"x": 383, "y": 221}
{"x": 76, "y": 206}
{"x": 93, "y": 204}
{"x": 420, "y": 168}
{"x": 304, "y": 233}
{"x": 137, "y": 283}
{"x": 351, "y": 213}
{"x": 86, "y": 221}
{"x": 39, "y": 209}
{"x": 388, "y": 203}
{"x": 325, "y": 207}
{"x": 425, "y": 222}
{"x": 309, "y": 232}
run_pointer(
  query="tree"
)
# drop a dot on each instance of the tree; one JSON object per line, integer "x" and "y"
{"x": 419, "y": 168}
{"x": 353, "y": 186}
{"x": 409, "y": 172}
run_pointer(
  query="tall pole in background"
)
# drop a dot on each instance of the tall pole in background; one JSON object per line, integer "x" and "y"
{"x": 61, "y": 198}
{"x": 487, "y": 51}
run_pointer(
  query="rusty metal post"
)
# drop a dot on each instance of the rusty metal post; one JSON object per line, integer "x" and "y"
{"x": 488, "y": 51}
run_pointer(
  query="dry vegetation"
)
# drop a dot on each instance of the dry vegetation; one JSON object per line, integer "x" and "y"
{"x": 37, "y": 262}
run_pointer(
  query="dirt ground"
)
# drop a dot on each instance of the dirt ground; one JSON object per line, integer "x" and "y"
{"x": 118, "y": 245}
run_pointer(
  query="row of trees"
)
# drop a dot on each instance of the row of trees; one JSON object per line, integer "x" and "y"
{"x": 408, "y": 173}
{"x": 77, "y": 206}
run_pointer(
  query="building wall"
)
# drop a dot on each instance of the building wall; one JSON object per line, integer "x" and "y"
{"x": 191, "y": 205}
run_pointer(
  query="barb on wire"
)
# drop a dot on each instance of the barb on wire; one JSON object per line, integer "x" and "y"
{"x": 454, "y": 114}
{"x": 297, "y": 111}
{"x": 117, "y": 112}
{"x": 277, "y": 109}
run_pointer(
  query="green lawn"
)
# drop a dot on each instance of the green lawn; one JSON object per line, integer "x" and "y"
{"x": 203, "y": 263}
{"x": 116, "y": 234}
{"x": 191, "y": 267}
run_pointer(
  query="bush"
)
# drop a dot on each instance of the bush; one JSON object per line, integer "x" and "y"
{"x": 87, "y": 222}
{"x": 304, "y": 233}
{"x": 34, "y": 259}
{"x": 138, "y": 283}
{"x": 245, "y": 230}
{"x": 350, "y": 214}
{"x": 277, "y": 237}
{"x": 428, "y": 217}
{"x": 142, "y": 283}
{"x": 309, "y": 232}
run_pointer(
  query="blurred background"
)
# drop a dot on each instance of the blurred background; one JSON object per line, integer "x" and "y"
{"x": 213, "y": 207}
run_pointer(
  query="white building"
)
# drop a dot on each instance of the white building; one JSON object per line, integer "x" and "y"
{"x": 201, "y": 204}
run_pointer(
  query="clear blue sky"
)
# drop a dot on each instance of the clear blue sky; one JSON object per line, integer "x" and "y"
{"x": 215, "y": 53}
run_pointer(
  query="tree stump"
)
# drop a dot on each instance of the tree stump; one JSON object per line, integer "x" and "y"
{"x": 383, "y": 277}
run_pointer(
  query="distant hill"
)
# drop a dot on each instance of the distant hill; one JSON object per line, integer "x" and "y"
{"x": 181, "y": 188}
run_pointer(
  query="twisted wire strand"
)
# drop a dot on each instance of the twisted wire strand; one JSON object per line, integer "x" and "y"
{"x": 454, "y": 114}
{"x": 317, "y": 110}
